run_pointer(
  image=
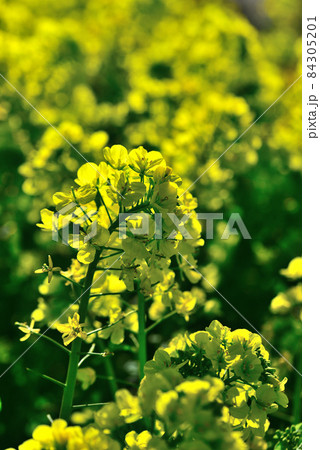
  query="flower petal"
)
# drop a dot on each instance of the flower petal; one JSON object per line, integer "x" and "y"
{"x": 64, "y": 328}
{"x": 50, "y": 275}
{"x": 68, "y": 339}
{"x": 86, "y": 254}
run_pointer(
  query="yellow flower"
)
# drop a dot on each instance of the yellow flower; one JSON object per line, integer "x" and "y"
{"x": 57, "y": 433}
{"x": 129, "y": 406}
{"x": 164, "y": 173}
{"x": 87, "y": 251}
{"x": 30, "y": 444}
{"x": 27, "y": 329}
{"x": 47, "y": 219}
{"x": 144, "y": 162}
{"x": 116, "y": 156}
{"x": 83, "y": 195}
{"x": 51, "y": 221}
{"x": 87, "y": 174}
{"x": 116, "y": 329}
{"x": 185, "y": 303}
{"x": 126, "y": 191}
{"x": 165, "y": 196}
{"x": 49, "y": 269}
{"x": 60, "y": 436}
{"x": 137, "y": 441}
{"x": 294, "y": 269}
{"x": 72, "y": 329}
{"x": 76, "y": 271}
{"x": 166, "y": 403}
{"x": 280, "y": 304}
{"x": 60, "y": 199}
{"x": 108, "y": 417}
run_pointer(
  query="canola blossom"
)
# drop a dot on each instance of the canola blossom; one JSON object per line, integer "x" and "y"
{"x": 209, "y": 389}
{"x": 115, "y": 114}
{"x": 48, "y": 268}
{"x": 71, "y": 330}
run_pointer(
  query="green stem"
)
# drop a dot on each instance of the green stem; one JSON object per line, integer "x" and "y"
{"x": 112, "y": 254}
{"x": 105, "y": 206}
{"x": 78, "y": 204}
{"x": 68, "y": 393}
{"x": 142, "y": 335}
{"x": 65, "y": 349}
{"x": 103, "y": 354}
{"x": 115, "y": 268}
{"x": 109, "y": 370}
{"x": 43, "y": 335}
{"x": 46, "y": 377}
{"x": 107, "y": 363}
{"x": 171, "y": 313}
{"x": 87, "y": 405}
{"x": 119, "y": 380}
{"x": 124, "y": 348}
{"x": 109, "y": 325}
{"x": 105, "y": 293}
{"x": 69, "y": 279}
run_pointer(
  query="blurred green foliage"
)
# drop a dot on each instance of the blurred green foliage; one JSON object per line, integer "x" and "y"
{"x": 186, "y": 78}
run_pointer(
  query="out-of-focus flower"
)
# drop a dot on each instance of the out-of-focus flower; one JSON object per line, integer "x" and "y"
{"x": 294, "y": 269}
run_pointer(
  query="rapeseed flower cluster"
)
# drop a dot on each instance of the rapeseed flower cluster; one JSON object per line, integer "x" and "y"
{"x": 139, "y": 184}
{"x": 135, "y": 182}
{"x": 188, "y": 97}
{"x": 249, "y": 384}
{"x": 61, "y": 436}
{"x": 209, "y": 389}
